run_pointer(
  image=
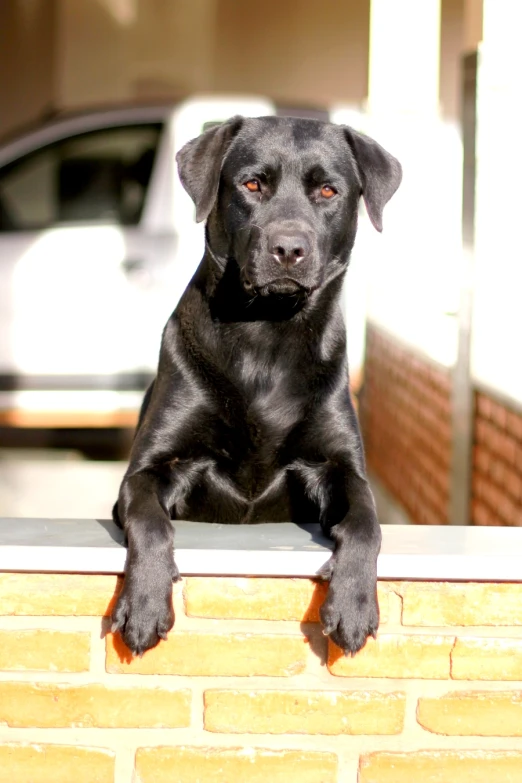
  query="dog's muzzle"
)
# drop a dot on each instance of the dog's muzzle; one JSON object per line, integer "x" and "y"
{"x": 283, "y": 260}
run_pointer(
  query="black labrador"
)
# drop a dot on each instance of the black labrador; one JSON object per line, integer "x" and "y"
{"x": 249, "y": 418}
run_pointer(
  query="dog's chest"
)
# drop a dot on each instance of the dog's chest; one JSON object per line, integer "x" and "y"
{"x": 272, "y": 389}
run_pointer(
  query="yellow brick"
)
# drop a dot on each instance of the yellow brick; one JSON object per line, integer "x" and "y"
{"x": 58, "y": 594}
{"x": 55, "y": 764}
{"x": 213, "y": 654}
{"x": 48, "y": 705}
{"x": 395, "y": 655}
{"x": 233, "y": 765}
{"x": 44, "y": 651}
{"x": 487, "y": 659}
{"x": 252, "y": 598}
{"x": 456, "y": 603}
{"x": 304, "y": 712}
{"x": 482, "y": 713}
{"x": 441, "y": 767}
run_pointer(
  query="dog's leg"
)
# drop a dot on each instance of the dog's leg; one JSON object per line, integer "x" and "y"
{"x": 144, "y": 612}
{"x": 339, "y": 489}
{"x": 350, "y": 612}
{"x": 156, "y": 480}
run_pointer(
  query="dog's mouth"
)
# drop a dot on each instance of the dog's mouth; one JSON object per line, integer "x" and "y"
{"x": 283, "y": 286}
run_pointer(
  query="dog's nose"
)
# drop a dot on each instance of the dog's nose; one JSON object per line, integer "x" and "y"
{"x": 288, "y": 248}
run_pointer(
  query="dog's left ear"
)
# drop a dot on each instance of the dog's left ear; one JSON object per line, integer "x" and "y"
{"x": 199, "y": 164}
{"x": 380, "y": 172}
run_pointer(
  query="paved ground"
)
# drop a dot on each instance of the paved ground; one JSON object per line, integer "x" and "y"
{"x": 64, "y": 485}
{"x": 46, "y": 486}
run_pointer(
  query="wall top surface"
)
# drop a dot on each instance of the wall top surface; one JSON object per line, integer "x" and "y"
{"x": 273, "y": 549}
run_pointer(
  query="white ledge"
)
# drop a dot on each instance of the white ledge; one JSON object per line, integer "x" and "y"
{"x": 274, "y": 549}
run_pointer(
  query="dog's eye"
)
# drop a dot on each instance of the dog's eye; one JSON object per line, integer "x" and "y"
{"x": 327, "y": 191}
{"x": 253, "y": 185}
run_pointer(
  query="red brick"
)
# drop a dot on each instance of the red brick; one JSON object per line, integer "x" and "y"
{"x": 480, "y": 514}
{"x": 484, "y": 406}
{"x": 514, "y": 425}
{"x": 498, "y": 415}
{"x": 507, "y": 448}
{"x": 513, "y": 484}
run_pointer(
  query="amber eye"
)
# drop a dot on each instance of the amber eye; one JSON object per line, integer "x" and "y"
{"x": 253, "y": 185}
{"x": 327, "y": 191}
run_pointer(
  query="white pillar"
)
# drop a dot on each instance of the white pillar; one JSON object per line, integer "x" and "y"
{"x": 412, "y": 279}
{"x": 404, "y": 56}
{"x": 498, "y": 244}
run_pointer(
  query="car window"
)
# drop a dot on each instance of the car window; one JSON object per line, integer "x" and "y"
{"x": 98, "y": 176}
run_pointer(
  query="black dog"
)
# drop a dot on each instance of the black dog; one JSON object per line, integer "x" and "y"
{"x": 250, "y": 418}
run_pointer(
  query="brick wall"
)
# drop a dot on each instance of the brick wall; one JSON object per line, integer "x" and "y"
{"x": 406, "y": 422}
{"x": 247, "y": 688}
{"x": 497, "y": 463}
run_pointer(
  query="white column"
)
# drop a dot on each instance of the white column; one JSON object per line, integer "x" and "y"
{"x": 404, "y": 56}
{"x": 413, "y": 280}
{"x": 497, "y": 322}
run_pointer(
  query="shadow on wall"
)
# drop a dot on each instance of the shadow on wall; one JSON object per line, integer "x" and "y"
{"x": 309, "y": 623}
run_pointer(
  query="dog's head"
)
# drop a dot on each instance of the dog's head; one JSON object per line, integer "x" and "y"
{"x": 281, "y": 196}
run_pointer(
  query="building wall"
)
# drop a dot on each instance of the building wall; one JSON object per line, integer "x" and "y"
{"x": 497, "y": 462}
{"x": 247, "y": 688}
{"x": 139, "y": 49}
{"x": 69, "y": 53}
{"x": 296, "y": 52}
{"x": 405, "y": 413}
{"x": 27, "y": 66}
{"x": 406, "y": 423}
{"x": 451, "y": 49}
{"x": 293, "y": 52}
{"x": 72, "y": 53}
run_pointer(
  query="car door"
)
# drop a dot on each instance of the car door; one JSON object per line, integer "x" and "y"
{"x": 82, "y": 253}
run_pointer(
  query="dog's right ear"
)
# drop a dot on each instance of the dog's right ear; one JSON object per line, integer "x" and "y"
{"x": 199, "y": 164}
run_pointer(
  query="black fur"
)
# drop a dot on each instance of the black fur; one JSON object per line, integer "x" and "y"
{"x": 250, "y": 417}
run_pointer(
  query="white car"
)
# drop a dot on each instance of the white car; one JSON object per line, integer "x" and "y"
{"x": 97, "y": 243}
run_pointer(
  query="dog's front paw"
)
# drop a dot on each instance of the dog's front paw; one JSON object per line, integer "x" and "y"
{"x": 144, "y": 613}
{"x": 350, "y": 612}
